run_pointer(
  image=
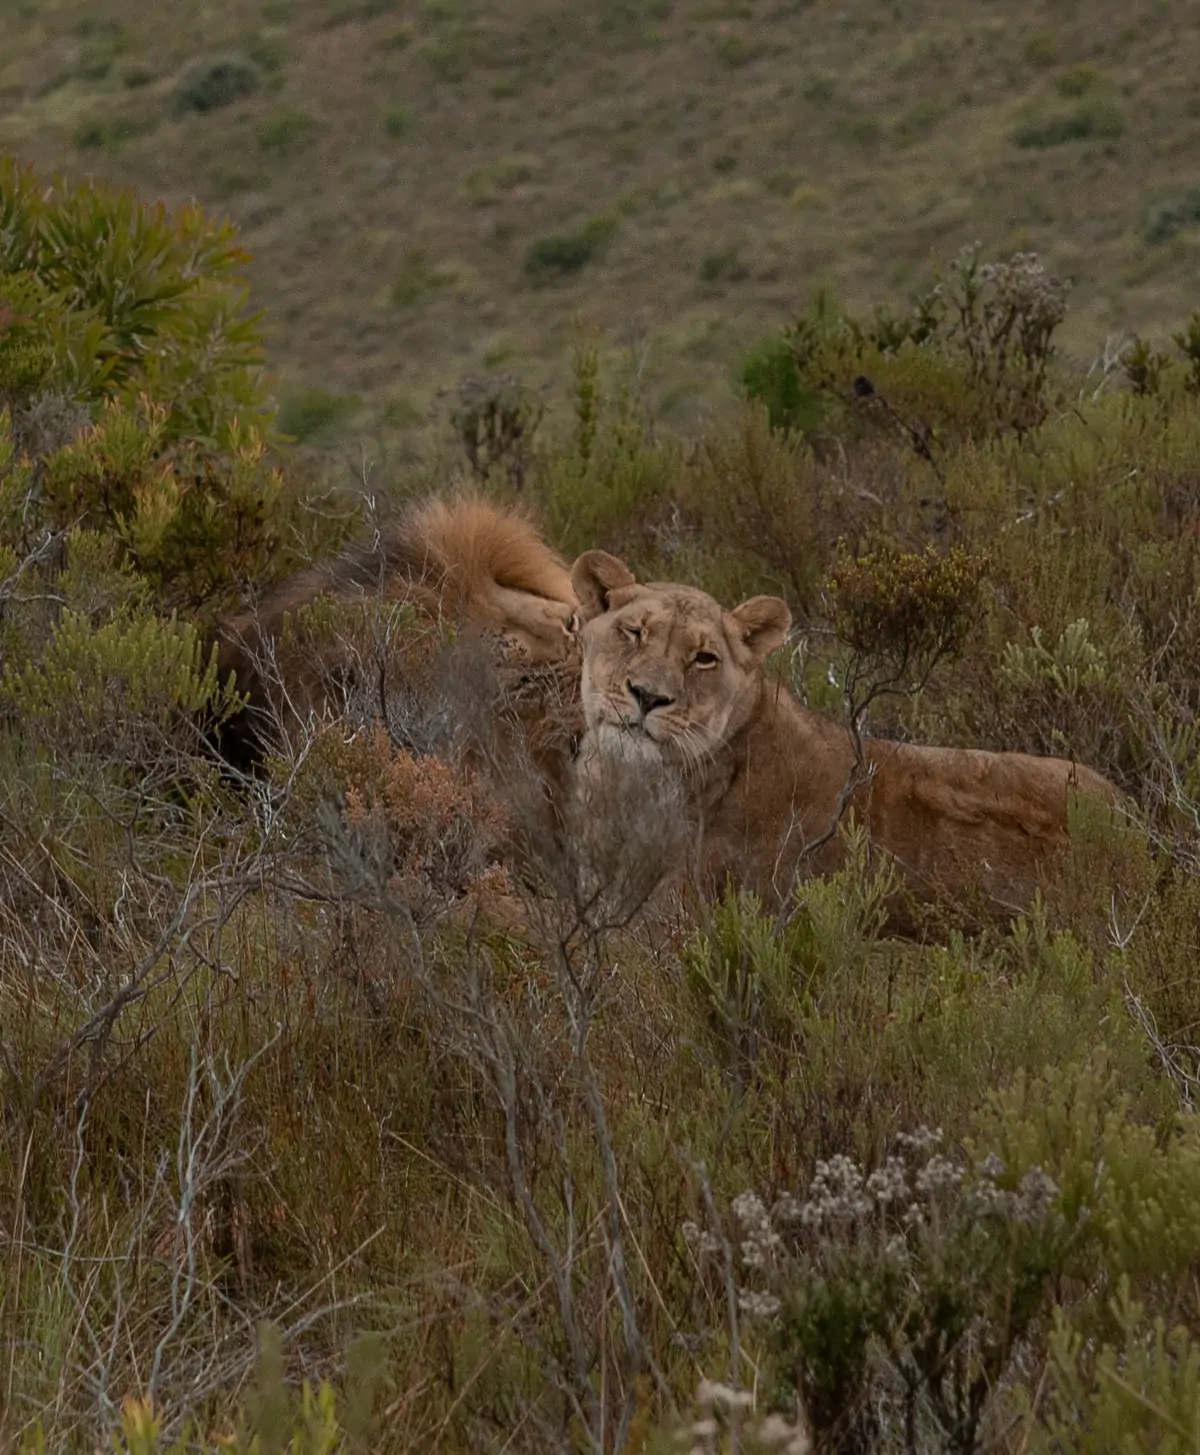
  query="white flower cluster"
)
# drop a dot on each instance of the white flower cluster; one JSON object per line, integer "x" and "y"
{"x": 1033, "y": 1199}
{"x": 719, "y": 1401}
{"x": 924, "y": 1139}
{"x": 754, "y": 1304}
{"x": 889, "y": 1184}
{"x": 701, "y": 1242}
{"x": 841, "y": 1199}
{"x": 837, "y": 1194}
{"x": 1023, "y": 285}
{"x": 939, "y": 1174}
{"x": 760, "y": 1241}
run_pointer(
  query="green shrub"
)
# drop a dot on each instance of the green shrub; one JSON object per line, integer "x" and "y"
{"x": 136, "y": 299}
{"x": 107, "y": 132}
{"x": 899, "y": 614}
{"x": 1098, "y": 120}
{"x": 132, "y": 670}
{"x": 769, "y": 376}
{"x": 723, "y": 265}
{"x": 268, "y": 53}
{"x": 26, "y": 352}
{"x": 569, "y": 252}
{"x": 418, "y": 276}
{"x": 973, "y": 355}
{"x": 898, "y": 1298}
{"x": 1078, "y": 81}
{"x": 210, "y": 84}
{"x": 761, "y": 508}
{"x": 191, "y": 520}
{"x": 495, "y": 422}
{"x": 1140, "y": 1391}
{"x": 603, "y": 486}
{"x": 131, "y": 368}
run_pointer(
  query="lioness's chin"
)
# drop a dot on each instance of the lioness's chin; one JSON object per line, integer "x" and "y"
{"x": 625, "y": 744}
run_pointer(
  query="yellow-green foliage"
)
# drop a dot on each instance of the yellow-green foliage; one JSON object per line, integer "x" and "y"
{"x": 909, "y": 605}
{"x": 134, "y": 298}
{"x": 610, "y": 481}
{"x": 26, "y": 354}
{"x": 132, "y": 373}
{"x": 191, "y": 520}
{"x": 1140, "y": 1391}
{"x": 134, "y": 667}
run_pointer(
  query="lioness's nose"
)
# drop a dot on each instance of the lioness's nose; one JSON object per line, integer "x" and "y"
{"x": 647, "y": 699}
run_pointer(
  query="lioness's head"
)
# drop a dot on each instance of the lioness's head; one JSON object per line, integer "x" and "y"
{"x": 666, "y": 670}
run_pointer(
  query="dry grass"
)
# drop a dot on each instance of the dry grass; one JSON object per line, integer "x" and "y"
{"x": 398, "y": 162}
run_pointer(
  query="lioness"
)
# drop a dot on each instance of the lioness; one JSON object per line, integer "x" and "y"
{"x": 671, "y": 679}
{"x": 483, "y": 568}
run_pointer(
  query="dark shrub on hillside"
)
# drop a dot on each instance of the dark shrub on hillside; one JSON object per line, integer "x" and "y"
{"x": 208, "y": 85}
{"x": 568, "y": 252}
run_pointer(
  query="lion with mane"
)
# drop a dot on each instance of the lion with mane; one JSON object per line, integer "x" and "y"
{"x": 672, "y": 681}
{"x": 483, "y": 569}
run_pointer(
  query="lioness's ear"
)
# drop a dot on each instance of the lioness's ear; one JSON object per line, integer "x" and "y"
{"x": 593, "y": 576}
{"x": 762, "y": 623}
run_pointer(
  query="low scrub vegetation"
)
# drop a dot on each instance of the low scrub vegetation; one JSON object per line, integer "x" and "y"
{"x": 324, "y": 1126}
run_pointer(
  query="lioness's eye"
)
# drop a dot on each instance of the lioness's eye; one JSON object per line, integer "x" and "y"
{"x": 705, "y": 659}
{"x": 634, "y": 633}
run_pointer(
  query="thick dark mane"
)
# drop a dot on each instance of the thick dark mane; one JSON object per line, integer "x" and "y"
{"x": 462, "y": 556}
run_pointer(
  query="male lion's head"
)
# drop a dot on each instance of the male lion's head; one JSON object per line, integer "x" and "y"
{"x": 667, "y": 672}
{"x": 525, "y": 630}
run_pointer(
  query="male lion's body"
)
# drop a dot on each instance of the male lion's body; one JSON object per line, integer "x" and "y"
{"x": 483, "y": 568}
{"x": 671, "y": 679}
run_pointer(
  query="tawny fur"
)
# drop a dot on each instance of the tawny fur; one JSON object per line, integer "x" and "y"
{"x": 671, "y": 680}
{"x": 482, "y": 567}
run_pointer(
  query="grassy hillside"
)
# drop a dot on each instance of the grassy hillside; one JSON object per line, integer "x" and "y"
{"x": 438, "y": 188}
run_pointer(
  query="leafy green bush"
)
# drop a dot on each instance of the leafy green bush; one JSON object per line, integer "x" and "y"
{"x": 131, "y": 368}
{"x": 893, "y": 1301}
{"x": 899, "y": 614}
{"x": 137, "y": 300}
{"x": 973, "y": 356}
{"x": 1139, "y": 1391}
{"x": 724, "y": 265}
{"x": 496, "y": 421}
{"x": 769, "y": 376}
{"x": 1168, "y": 218}
{"x": 568, "y": 252}
{"x": 107, "y": 133}
{"x": 210, "y": 84}
{"x": 612, "y": 476}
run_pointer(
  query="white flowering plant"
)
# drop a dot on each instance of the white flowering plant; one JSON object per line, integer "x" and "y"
{"x": 891, "y": 1302}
